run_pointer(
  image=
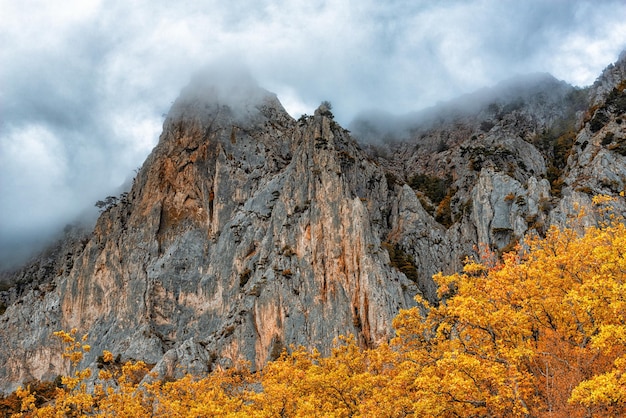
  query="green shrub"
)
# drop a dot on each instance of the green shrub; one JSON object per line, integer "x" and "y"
{"x": 443, "y": 214}
{"x": 244, "y": 277}
{"x": 435, "y": 188}
{"x": 486, "y": 125}
{"x": 619, "y": 146}
{"x": 608, "y": 138}
{"x": 600, "y": 118}
{"x": 616, "y": 101}
{"x": 401, "y": 261}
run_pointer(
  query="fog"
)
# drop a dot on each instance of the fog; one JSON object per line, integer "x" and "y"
{"x": 224, "y": 82}
{"x": 84, "y": 87}
{"x": 378, "y": 127}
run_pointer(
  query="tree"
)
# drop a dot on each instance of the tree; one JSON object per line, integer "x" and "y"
{"x": 542, "y": 333}
{"x": 325, "y": 109}
{"x": 114, "y": 393}
{"x": 107, "y": 203}
{"x": 351, "y": 382}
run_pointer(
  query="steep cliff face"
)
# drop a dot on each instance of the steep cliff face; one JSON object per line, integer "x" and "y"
{"x": 246, "y": 231}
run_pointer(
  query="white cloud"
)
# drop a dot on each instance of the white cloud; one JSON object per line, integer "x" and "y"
{"x": 291, "y": 100}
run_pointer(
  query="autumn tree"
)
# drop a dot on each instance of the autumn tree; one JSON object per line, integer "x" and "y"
{"x": 350, "y": 382}
{"x": 114, "y": 392}
{"x": 541, "y": 334}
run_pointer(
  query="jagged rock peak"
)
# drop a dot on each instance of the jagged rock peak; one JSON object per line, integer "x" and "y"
{"x": 611, "y": 77}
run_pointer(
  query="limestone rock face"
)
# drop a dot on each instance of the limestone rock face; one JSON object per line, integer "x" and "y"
{"x": 611, "y": 77}
{"x": 246, "y": 231}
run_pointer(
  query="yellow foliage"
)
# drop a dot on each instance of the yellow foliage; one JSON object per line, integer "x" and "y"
{"x": 107, "y": 356}
{"x": 544, "y": 334}
{"x": 541, "y": 332}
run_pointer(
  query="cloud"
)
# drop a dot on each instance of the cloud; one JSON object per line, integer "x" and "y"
{"x": 84, "y": 85}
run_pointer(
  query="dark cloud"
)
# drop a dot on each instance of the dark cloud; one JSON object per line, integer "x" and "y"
{"x": 83, "y": 87}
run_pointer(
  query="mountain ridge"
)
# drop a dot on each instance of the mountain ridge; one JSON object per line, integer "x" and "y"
{"x": 246, "y": 231}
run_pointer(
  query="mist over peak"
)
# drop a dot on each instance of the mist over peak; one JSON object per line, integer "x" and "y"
{"x": 227, "y": 84}
{"x": 509, "y": 94}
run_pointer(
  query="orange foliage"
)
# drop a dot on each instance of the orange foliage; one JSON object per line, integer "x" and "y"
{"x": 541, "y": 333}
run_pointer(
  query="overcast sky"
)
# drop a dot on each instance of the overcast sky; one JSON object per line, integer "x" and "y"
{"x": 84, "y": 83}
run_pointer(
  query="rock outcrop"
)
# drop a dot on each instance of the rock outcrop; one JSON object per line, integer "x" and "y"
{"x": 244, "y": 232}
{"x": 247, "y": 231}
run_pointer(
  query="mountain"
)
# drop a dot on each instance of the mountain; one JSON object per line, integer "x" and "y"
{"x": 246, "y": 231}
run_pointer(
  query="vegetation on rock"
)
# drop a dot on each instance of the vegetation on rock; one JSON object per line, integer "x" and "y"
{"x": 434, "y": 187}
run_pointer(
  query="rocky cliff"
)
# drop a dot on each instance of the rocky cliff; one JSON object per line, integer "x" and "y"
{"x": 246, "y": 231}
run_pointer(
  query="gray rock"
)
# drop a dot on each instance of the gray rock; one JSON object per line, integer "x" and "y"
{"x": 246, "y": 231}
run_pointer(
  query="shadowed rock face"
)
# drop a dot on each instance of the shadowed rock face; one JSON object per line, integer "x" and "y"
{"x": 246, "y": 231}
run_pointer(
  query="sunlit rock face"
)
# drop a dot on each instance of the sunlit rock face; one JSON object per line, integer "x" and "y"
{"x": 244, "y": 232}
{"x": 247, "y": 231}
